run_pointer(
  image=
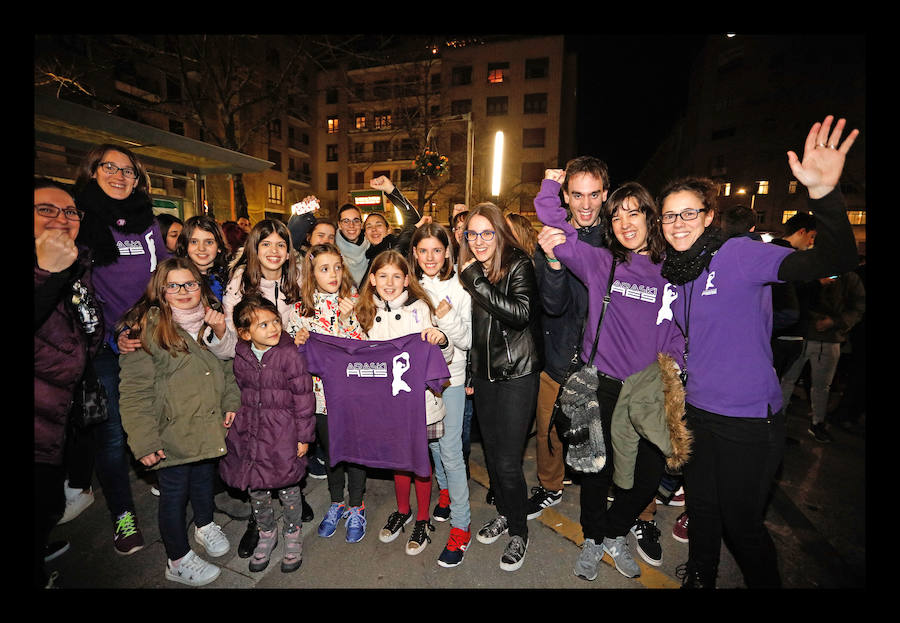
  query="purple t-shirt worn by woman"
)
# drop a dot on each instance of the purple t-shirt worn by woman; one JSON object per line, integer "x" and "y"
{"x": 639, "y": 322}
{"x": 727, "y": 314}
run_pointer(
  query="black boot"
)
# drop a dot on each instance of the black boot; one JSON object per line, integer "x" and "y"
{"x": 306, "y": 511}
{"x": 692, "y": 576}
{"x": 249, "y": 540}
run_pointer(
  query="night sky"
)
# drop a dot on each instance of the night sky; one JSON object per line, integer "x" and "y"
{"x": 631, "y": 91}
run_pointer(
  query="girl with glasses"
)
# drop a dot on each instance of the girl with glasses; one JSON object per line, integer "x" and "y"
{"x": 505, "y": 360}
{"x": 177, "y": 400}
{"x": 724, "y": 308}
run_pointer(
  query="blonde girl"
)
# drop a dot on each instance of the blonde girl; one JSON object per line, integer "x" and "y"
{"x": 326, "y": 306}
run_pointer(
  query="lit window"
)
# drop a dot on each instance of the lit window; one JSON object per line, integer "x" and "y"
{"x": 857, "y": 217}
{"x": 360, "y": 122}
{"x": 276, "y": 194}
{"x": 382, "y": 120}
{"x": 763, "y": 188}
{"x": 333, "y": 125}
{"x": 498, "y": 72}
{"x": 786, "y": 215}
{"x": 792, "y": 187}
{"x": 726, "y": 189}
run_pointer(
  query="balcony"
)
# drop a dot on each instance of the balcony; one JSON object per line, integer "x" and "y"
{"x": 392, "y": 155}
{"x": 299, "y": 178}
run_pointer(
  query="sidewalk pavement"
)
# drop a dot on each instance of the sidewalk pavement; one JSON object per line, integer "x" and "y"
{"x": 816, "y": 518}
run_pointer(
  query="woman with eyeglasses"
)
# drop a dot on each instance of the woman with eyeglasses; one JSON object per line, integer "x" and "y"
{"x": 377, "y": 229}
{"x": 352, "y": 242}
{"x": 723, "y": 307}
{"x": 113, "y": 189}
{"x": 68, "y": 330}
{"x": 506, "y": 359}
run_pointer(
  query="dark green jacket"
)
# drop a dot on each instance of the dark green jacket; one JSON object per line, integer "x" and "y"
{"x": 176, "y": 404}
{"x": 650, "y": 405}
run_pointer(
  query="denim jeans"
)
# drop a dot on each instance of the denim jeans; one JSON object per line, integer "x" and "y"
{"x": 726, "y": 485}
{"x": 113, "y": 457}
{"x": 823, "y": 360}
{"x": 177, "y": 485}
{"x": 505, "y": 412}
{"x": 447, "y": 454}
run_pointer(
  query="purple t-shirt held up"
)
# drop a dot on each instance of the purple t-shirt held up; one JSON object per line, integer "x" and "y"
{"x": 727, "y": 314}
{"x": 376, "y": 415}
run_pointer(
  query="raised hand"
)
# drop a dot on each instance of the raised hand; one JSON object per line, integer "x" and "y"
{"x": 557, "y": 175}
{"x": 823, "y": 157}
{"x": 216, "y": 320}
{"x": 382, "y": 183}
{"x": 549, "y": 238}
{"x": 55, "y": 250}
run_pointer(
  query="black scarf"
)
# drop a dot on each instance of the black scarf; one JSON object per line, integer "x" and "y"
{"x": 679, "y": 267}
{"x": 132, "y": 215}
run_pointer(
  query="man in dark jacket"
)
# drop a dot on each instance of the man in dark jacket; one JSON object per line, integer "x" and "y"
{"x": 565, "y": 301}
{"x": 790, "y": 300}
{"x": 68, "y": 330}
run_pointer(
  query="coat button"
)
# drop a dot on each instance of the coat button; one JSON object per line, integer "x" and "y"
{"x": 397, "y": 317}
{"x": 207, "y": 373}
{"x": 377, "y": 318}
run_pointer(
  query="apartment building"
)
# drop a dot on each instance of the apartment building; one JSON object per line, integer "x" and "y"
{"x": 375, "y": 121}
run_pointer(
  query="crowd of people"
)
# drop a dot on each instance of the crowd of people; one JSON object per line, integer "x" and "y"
{"x": 215, "y": 348}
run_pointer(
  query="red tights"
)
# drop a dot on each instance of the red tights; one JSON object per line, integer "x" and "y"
{"x": 402, "y": 482}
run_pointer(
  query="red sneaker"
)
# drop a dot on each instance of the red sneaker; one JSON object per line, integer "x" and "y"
{"x": 456, "y": 547}
{"x": 680, "y": 529}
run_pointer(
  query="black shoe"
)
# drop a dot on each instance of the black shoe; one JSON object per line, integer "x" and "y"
{"x": 249, "y": 540}
{"x": 540, "y": 499}
{"x": 819, "y": 433}
{"x": 692, "y": 577}
{"x": 306, "y": 511}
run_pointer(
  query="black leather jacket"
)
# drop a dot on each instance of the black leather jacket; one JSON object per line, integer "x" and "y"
{"x": 506, "y": 332}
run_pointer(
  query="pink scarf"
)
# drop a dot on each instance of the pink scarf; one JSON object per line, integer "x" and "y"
{"x": 191, "y": 320}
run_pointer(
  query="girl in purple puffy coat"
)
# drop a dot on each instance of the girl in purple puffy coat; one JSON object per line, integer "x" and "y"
{"x": 272, "y": 430}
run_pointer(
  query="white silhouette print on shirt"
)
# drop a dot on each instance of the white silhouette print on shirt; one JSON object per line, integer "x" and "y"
{"x": 400, "y": 365}
{"x": 665, "y": 310}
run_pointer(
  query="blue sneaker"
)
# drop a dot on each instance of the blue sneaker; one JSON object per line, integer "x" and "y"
{"x": 336, "y": 512}
{"x": 356, "y": 524}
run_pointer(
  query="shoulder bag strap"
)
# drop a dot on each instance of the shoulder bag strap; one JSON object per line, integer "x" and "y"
{"x": 606, "y": 298}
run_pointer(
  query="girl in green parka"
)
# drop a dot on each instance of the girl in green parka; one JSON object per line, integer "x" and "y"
{"x": 177, "y": 399}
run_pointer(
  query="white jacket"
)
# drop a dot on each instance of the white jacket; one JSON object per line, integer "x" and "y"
{"x": 268, "y": 289}
{"x": 457, "y": 323}
{"x": 396, "y": 319}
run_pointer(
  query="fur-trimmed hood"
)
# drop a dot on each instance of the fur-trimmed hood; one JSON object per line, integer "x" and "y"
{"x": 650, "y": 405}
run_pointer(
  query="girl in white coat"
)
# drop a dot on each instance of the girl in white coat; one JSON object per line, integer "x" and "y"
{"x": 393, "y": 304}
{"x": 432, "y": 260}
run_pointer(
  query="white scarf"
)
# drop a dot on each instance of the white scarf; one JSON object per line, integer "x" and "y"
{"x": 191, "y": 320}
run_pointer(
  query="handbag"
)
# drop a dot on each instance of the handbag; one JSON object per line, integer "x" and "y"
{"x": 577, "y": 383}
{"x": 90, "y": 400}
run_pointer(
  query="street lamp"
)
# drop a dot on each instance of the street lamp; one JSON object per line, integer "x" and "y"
{"x": 498, "y": 163}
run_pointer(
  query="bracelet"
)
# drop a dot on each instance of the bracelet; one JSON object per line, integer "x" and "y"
{"x": 553, "y": 260}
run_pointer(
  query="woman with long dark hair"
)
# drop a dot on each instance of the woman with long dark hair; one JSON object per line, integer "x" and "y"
{"x": 724, "y": 307}
{"x": 113, "y": 189}
{"x": 506, "y": 359}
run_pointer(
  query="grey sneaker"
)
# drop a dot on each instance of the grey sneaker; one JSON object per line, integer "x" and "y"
{"x": 618, "y": 550}
{"x": 589, "y": 560}
{"x": 514, "y": 554}
{"x": 492, "y": 530}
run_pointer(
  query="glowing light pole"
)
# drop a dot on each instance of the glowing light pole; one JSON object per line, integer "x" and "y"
{"x": 498, "y": 164}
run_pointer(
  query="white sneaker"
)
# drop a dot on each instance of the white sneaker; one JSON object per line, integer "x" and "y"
{"x": 192, "y": 570}
{"x": 76, "y": 501}
{"x": 212, "y": 539}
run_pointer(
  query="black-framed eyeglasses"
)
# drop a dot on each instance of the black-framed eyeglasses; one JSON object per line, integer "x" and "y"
{"x": 110, "y": 169}
{"x": 189, "y": 286}
{"x": 686, "y": 215}
{"x": 348, "y": 221}
{"x": 48, "y": 210}
{"x": 486, "y": 235}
